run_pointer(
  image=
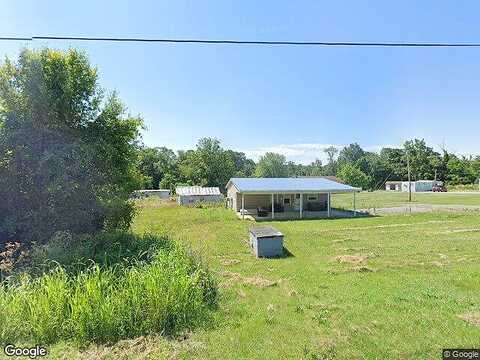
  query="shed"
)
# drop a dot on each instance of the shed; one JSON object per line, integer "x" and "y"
{"x": 195, "y": 194}
{"x": 266, "y": 241}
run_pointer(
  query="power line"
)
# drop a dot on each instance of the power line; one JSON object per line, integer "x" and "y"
{"x": 15, "y": 38}
{"x": 240, "y": 42}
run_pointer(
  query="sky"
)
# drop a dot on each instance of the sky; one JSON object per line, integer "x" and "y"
{"x": 291, "y": 100}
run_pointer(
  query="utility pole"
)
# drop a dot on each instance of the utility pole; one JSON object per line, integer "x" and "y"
{"x": 409, "y": 179}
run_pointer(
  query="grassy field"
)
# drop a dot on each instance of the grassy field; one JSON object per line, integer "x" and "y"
{"x": 392, "y": 287}
{"x": 379, "y": 199}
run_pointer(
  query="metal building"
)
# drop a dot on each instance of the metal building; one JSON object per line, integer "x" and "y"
{"x": 194, "y": 194}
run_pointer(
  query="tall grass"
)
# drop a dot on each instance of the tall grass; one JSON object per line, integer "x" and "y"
{"x": 171, "y": 293}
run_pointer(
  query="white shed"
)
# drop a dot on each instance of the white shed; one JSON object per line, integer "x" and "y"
{"x": 195, "y": 194}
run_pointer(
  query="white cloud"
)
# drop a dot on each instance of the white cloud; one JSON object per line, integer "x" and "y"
{"x": 303, "y": 153}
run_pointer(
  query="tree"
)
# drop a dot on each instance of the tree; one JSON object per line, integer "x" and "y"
{"x": 271, "y": 165}
{"x": 244, "y": 167}
{"x": 331, "y": 168}
{"x": 207, "y": 165}
{"x": 155, "y": 164}
{"x": 395, "y": 163}
{"x": 350, "y": 154}
{"x": 67, "y": 153}
{"x": 423, "y": 160}
{"x": 353, "y": 176}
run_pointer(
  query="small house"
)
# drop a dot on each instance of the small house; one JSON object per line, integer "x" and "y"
{"x": 284, "y": 197}
{"x": 194, "y": 194}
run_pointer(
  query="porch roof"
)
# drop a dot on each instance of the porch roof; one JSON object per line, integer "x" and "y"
{"x": 289, "y": 185}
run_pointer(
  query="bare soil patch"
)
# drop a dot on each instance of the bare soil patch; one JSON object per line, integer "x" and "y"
{"x": 255, "y": 280}
{"x": 351, "y": 259}
{"x": 471, "y": 318}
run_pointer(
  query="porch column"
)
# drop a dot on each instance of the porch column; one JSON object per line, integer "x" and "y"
{"x": 243, "y": 206}
{"x": 328, "y": 204}
{"x": 301, "y": 206}
{"x": 273, "y": 208}
{"x": 354, "y": 210}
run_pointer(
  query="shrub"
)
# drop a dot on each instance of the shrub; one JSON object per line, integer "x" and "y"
{"x": 171, "y": 293}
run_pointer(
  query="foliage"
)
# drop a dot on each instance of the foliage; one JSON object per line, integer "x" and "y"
{"x": 67, "y": 153}
{"x": 353, "y": 176}
{"x": 423, "y": 160}
{"x": 207, "y": 165}
{"x": 271, "y": 165}
{"x": 331, "y": 167}
{"x": 244, "y": 167}
{"x": 157, "y": 165}
{"x": 171, "y": 293}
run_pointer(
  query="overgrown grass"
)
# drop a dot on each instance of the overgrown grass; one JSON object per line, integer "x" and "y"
{"x": 171, "y": 292}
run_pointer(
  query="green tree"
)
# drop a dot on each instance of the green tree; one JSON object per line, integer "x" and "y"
{"x": 331, "y": 168}
{"x": 353, "y": 176}
{"x": 395, "y": 163}
{"x": 207, "y": 165}
{"x": 271, "y": 165}
{"x": 244, "y": 167}
{"x": 423, "y": 160}
{"x": 350, "y": 154}
{"x": 155, "y": 164}
{"x": 67, "y": 153}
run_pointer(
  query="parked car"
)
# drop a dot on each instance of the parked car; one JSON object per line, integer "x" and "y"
{"x": 439, "y": 188}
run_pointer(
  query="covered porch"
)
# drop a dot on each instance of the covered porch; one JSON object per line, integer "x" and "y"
{"x": 288, "y": 205}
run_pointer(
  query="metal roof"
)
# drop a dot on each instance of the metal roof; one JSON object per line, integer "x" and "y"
{"x": 289, "y": 185}
{"x": 265, "y": 231}
{"x": 197, "y": 190}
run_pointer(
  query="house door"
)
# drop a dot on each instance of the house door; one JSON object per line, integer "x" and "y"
{"x": 287, "y": 202}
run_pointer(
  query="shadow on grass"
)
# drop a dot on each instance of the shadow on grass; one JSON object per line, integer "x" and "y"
{"x": 286, "y": 253}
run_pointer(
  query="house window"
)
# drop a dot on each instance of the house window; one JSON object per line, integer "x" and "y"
{"x": 286, "y": 201}
{"x": 312, "y": 197}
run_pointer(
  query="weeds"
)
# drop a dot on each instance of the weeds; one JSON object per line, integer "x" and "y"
{"x": 170, "y": 293}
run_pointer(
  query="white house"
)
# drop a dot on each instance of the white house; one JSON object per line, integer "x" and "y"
{"x": 287, "y": 197}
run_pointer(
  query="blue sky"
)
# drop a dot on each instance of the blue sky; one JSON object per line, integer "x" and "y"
{"x": 287, "y": 99}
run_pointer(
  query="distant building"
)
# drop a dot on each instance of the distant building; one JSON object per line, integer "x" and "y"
{"x": 194, "y": 194}
{"x": 420, "y": 185}
{"x": 393, "y": 186}
{"x": 160, "y": 193}
{"x": 415, "y": 186}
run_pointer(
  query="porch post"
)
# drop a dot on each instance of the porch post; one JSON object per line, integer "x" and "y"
{"x": 301, "y": 205}
{"x": 243, "y": 206}
{"x": 328, "y": 204}
{"x": 273, "y": 207}
{"x": 354, "y": 210}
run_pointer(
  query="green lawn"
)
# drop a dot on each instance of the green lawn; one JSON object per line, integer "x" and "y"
{"x": 398, "y": 294}
{"x": 378, "y": 199}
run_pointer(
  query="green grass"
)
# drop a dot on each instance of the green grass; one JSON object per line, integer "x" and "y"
{"x": 171, "y": 293}
{"x": 420, "y": 272}
{"x": 379, "y": 199}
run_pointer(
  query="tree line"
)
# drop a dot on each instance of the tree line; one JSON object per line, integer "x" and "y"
{"x": 209, "y": 164}
{"x": 71, "y": 156}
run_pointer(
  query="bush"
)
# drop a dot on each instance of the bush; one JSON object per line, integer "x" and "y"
{"x": 171, "y": 293}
